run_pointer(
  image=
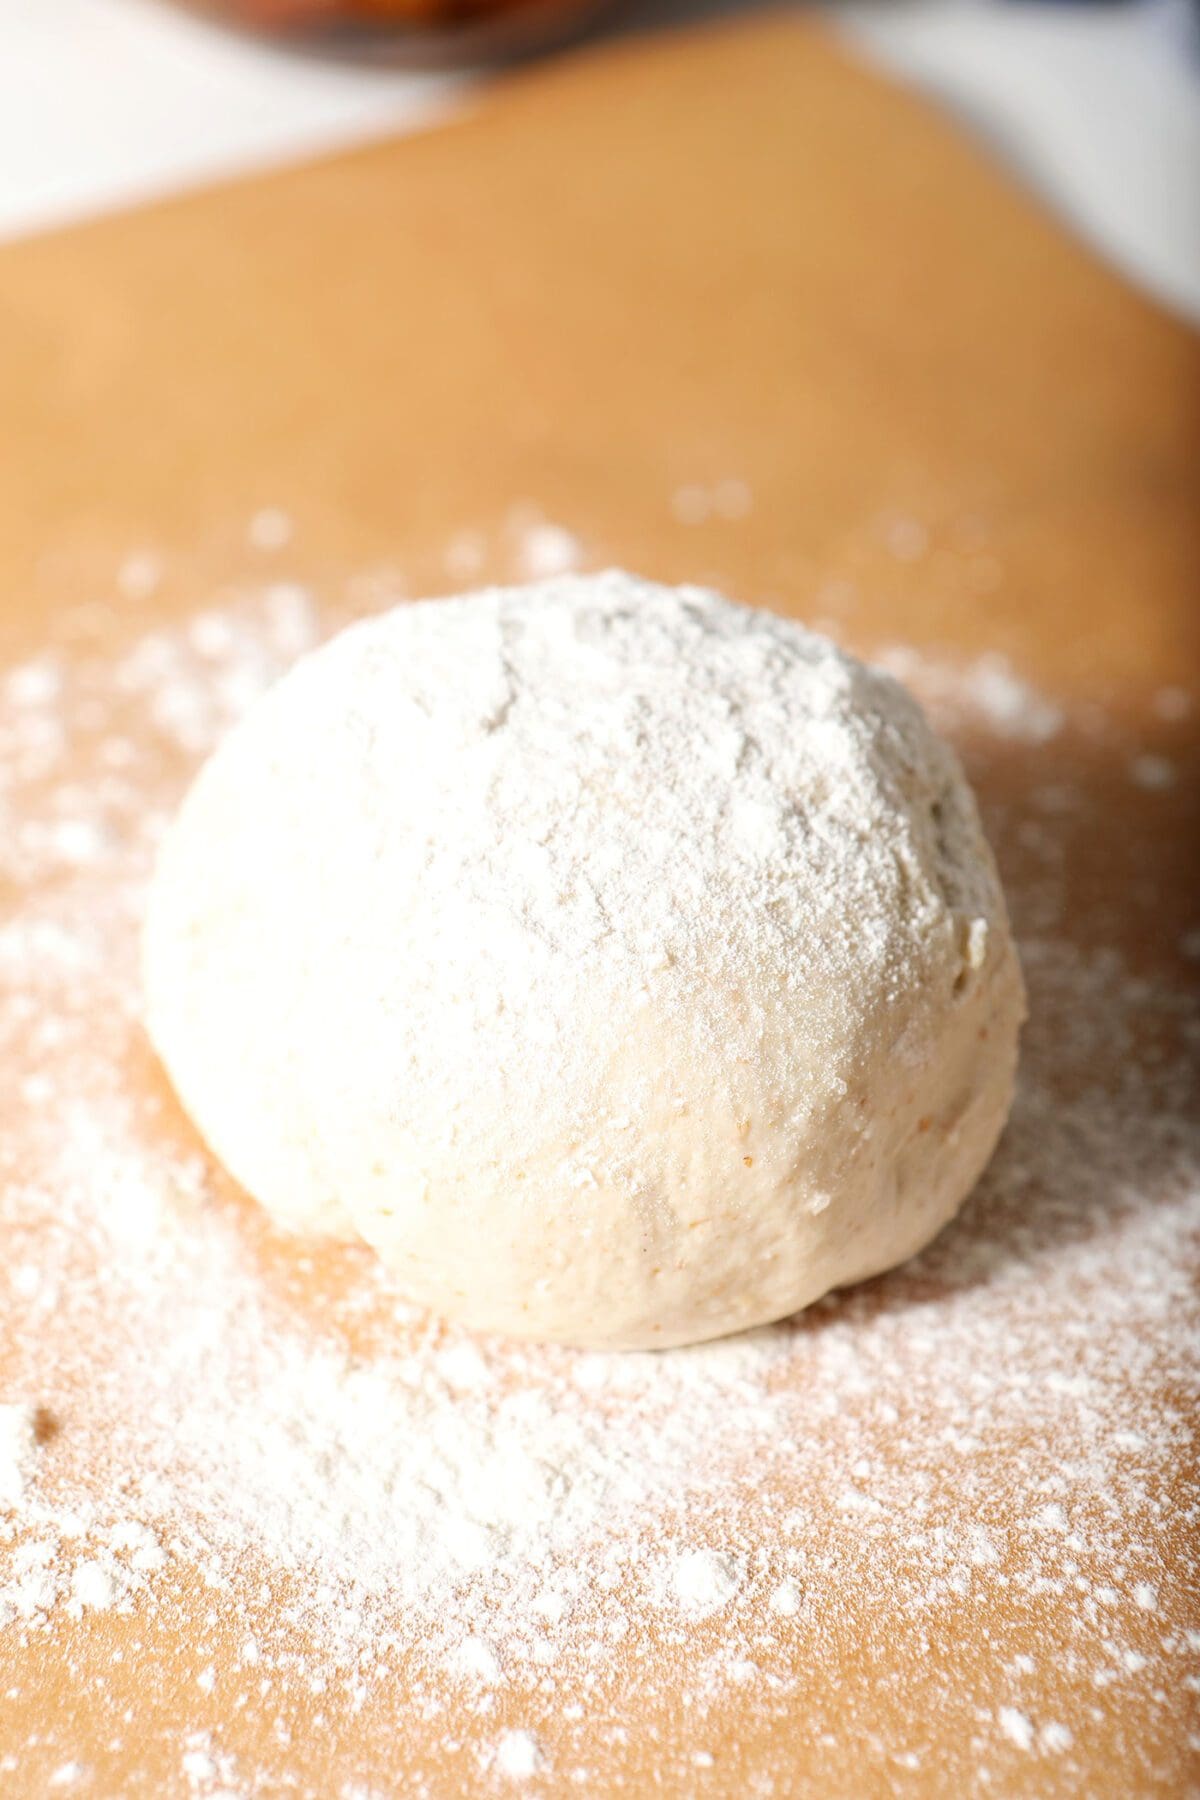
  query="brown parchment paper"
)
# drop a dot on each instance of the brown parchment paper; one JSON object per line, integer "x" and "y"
{"x": 732, "y": 255}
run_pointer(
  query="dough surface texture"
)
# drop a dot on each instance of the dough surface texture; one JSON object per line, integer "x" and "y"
{"x": 628, "y": 967}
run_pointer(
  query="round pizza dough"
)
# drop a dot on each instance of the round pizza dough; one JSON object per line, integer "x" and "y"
{"x": 627, "y": 966}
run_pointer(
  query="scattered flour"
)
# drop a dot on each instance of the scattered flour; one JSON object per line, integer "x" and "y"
{"x": 139, "y": 575}
{"x": 362, "y": 1491}
{"x": 786, "y": 1599}
{"x": 694, "y": 502}
{"x": 269, "y": 529}
{"x": 1172, "y": 704}
{"x": 905, "y": 538}
{"x": 1016, "y": 1727}
{"x": 92, "y": 1585}
{"x": 1152, "y": 772}
{"x": 68, "y": 1774}
{"x": 526, "y": 546}
{"x": 988, "y": 688}
{"x": 703, "y": 1580}
{"x": 518, "y": 1755}
{"x": 548, "y": 550}
{"x": 466, "y": 556}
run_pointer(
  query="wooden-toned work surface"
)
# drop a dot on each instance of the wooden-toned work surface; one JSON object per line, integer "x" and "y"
{"x": 725, "y": 308}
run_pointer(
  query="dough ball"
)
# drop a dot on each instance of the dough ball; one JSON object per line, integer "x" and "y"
{"x": 627, "y": 966}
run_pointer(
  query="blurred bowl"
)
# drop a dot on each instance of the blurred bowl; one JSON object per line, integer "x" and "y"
{"x": 412, "y": 33}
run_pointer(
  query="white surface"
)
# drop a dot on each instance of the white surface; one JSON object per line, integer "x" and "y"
{"x": 1097, "y": 106}
{"x": 103, "y": 102}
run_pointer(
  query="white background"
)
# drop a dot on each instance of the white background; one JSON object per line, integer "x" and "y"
{"x": 103, "y": 102}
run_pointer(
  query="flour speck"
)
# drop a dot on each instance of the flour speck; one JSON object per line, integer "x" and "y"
{"x": 518, "y": 1755}
{"x": 1016, "y": 1727}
